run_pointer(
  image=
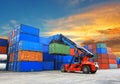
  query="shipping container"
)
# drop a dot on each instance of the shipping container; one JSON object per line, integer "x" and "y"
{"x": 63, "y": 59}
{"x": 113, "y": 66}
{"x": 44, "y": 41}
{"x": 25, "y": 66}
{"x": 31, "y": 46}
{"x": 48, "y": 57}
{"x": 3, "y": 42}
{"x": 112, "y": 61}
{"x": 30, "y": 56}
{"x": 3, "y": 49}
{"x": 56, "y": 48}
{"x": 101, "y": 45}
{"x": 101, "y": 51}
{"x": 2, "y": 66}
{"x": 27, "y": 37}
{"x": 118, "y": 65}
{"x": 45, "y": 48}
{"x": 90, "y": 46}
{"x": 3, "y": 57}
{"x": 103, "y": 56}
{"x": 86, "y": 47}
{"x": 96, "y": 56}
{"x": 48, "y": 65}
{"x": 72, "y": 51}
{"x": 103, "y": 66}
{"x": 27, "y": 29}
{"x": 109, "y": 49}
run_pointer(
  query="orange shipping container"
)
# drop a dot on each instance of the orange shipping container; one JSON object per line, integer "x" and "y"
{"x": 112, "y": 61}
{"x": 3, "y": 49}
{"x": 72, "y": 51}
{"x": 103, "y": 66}
{"x": 30, "y": 56}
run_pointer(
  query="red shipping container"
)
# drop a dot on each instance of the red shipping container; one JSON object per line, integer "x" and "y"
{"x": 3, "y": 50}
{"x": 99, "y": 56}
{"x": 72, "y": 51}
{"x": 111, "y": 56}
{"x": 94, "y": 46}
{"x": 103, "y": 66}
{"x": 94, "y": 51}
{"x": 105, "y": 61}
{"x": 112, "y": 61}
{"x": 95, "y": 60}
{"x": 99, "y": 61}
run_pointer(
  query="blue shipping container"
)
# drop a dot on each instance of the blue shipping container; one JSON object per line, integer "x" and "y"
{"x": 3, "y": 42}
{"x": 48, "y": 57}
{"x": 113, "y": 66}
{"x": 27, "y": 29}
{"x": 32, "y": 46}
{"x": 45, "y": 41}
{"x": 118, "y": 60}
{"x": 101, "y": 51}
{"x": 86, "y": 47}
{"x": 48, "y": 65}
{"x": 45, "y": 48}
{"x": 27, "y": 37}
{"x": 64, "y": 59}
{"x": 25, "y": 66}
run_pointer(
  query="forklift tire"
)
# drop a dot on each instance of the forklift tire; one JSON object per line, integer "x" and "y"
{"x": 63, "y": 68}
{"x": 86, "y": 69}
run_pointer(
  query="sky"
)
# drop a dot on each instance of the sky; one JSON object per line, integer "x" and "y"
{"x": 83, "y": 21}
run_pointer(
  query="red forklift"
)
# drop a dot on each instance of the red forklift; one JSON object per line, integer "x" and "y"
{"x": 81, "y": 58}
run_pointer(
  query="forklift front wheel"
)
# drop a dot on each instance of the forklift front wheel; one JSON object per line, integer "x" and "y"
{"x": 63, "y": 68}
{"x": 86, "y": 69}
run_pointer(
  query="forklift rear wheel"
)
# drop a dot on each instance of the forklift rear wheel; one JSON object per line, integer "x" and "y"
{"x": 63, "y": 68}
{"x": 86, "y": 69}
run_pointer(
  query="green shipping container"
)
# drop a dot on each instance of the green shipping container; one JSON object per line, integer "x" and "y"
{"x": 95, "y": 56}
{"x": 101, "y": 45}
{"x": 56, "y": 48}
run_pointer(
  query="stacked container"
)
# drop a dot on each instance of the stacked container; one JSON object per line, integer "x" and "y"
{"x": 103, "y": 55}
{"x": 3, "y": 53}
{"x": 48, "y": 59}
{"x": 25, "y": 51}
{"x": 112, "y": 59}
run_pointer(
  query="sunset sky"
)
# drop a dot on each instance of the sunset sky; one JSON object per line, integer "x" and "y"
{"x": 84, "y": 21}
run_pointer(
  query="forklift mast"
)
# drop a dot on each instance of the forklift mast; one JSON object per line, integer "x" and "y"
{"x": 67, "y": 41}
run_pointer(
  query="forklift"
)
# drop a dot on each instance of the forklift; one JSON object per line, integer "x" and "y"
{"x": 81, "y": 58}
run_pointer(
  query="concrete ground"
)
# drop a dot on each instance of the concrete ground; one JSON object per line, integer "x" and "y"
{"x": 111, "y": 76}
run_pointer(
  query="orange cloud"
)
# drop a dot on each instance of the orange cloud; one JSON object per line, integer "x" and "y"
{"x": 98, "y": 24}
